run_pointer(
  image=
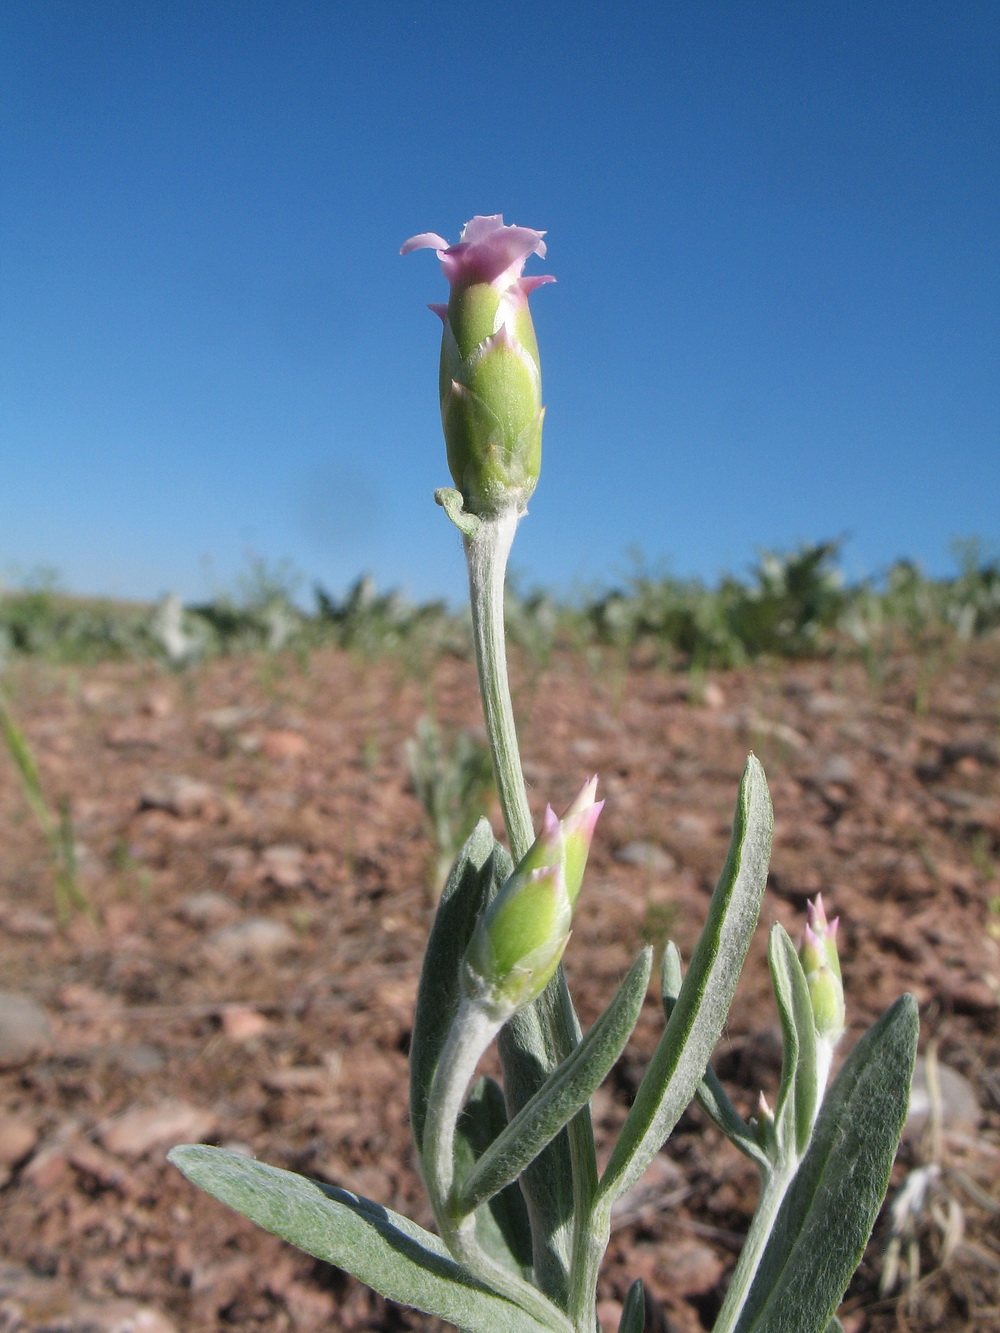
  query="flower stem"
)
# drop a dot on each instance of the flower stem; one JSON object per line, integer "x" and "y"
{"x": 470, "y": 1035}
{"x": 773, "y": 1191}
{"x": 487, "y": 551}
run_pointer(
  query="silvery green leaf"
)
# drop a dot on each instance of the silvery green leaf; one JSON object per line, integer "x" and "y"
{"x": 798, "y": 1090}
{"x": 480, "y": 863}
{"x": 711, "y": 1095}
{"x": 565, "y": 1091}
{"x": 829, "y": 1210}
{"x": 502, "y": 1226}
{"x": 528, "y": 1054}
{"x": 633, "y": 1318}
{"x": 388, "y": 1252}
{"x": 682, "y": 1055}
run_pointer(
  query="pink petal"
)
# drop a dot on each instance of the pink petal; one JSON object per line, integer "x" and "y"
{"x": 481, "y": 228}
{"x": 528, "y": 285}
{"x": 427, "y": 240}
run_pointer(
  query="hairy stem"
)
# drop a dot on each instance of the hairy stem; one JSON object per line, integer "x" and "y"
{"x": 486, "y": 552}
{"x": 487, "y": 549}
{"x": 773, "y": 1191}
{"x": 470, "y": 1035}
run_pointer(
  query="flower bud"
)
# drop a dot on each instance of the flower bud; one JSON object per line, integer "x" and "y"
{"x": 517, "y": 944}
{"x": 821, "y": 964}
{"x": 490, "y": 381}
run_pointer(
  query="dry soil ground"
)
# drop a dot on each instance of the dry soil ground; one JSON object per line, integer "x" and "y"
{"x": 259, "y": 868}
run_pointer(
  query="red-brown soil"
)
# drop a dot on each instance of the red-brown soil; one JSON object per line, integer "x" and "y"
{"x": 887, "y": 799}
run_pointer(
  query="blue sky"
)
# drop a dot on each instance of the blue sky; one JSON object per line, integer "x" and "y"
{"x": 773, "y": 225}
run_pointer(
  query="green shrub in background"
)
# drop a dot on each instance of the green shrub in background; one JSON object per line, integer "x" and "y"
{"x": 790, "y": 605}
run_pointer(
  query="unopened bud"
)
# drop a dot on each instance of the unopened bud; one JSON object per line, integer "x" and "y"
{"x": 490, "y": 380}
{"x": 821, "y": 964}
{"x": 517, "y": 945}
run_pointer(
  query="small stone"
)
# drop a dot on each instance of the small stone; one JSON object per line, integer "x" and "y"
{"x": 647, "y": 855}
{"x": 242, "y": 1023}
{"x": 139, "y": 1058}
{"x": 238, "y": 1146}
{"x": 609, "y": 1314}
{"x": 185, "y": 797}
{"x": 207, "y": 908}
{"x": 960, "y": 1109}
{"x": 712, "y": 695}
{"x": 283, "y": 744}
{"x": 821, "y": 703}
{"x": 283, "y": 865}
{"x": 93, "y": 1161}
{"x": 688, "y": 824}
{"x": 754, "y": 724}
{"x": 259, "y": 937}
{"x": 229, "y": 719}
{"x": 235, "y": 860}
{"x": 133, "y": 735}
{"x": 25, "y": 1034}
{"x": 112, "y": 1317}
{"x": 17, "y": 1138}
{"x": 837, "y": 770}
{"x": 158, "y": 704}
{"x": 26, "y": 924}
{"x": 974, "y": 998}
{"x": 299, "y": 1078}
{"x": 697, "y": 1266}
{"x": 77, "y": 996}
{"x": 144, "y": 1128}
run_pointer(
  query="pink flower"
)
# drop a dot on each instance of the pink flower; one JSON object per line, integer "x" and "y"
{"x": 487, "y": 252}
{"x": 490, "y": 382}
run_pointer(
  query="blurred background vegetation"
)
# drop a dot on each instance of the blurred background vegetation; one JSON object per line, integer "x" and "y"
{"x": 789, "y": 605}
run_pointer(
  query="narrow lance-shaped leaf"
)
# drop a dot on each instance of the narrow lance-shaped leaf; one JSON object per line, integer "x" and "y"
{"x": 567, "y": 1088}
{"x": 827, "y": 1215}
{"x": 711, "y": 1095}
{"x": 528, "y": 1055}
{"x": 633, "y": 1318}
{"x": 388, "y": 1252}
{"x": 481, "y": 863}
{"x": 680, "y": 1059}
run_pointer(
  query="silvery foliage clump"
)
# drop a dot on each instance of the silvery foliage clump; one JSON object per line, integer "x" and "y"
{"x": 523, "y": 1214}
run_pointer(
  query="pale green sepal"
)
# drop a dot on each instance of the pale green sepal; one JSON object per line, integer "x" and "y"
{"x": 835, "y": 1326}
{"x": 827, "y": 1215}
{"x": 502, "y": 1226}
{"x": 473, "y": 312}
{"x": 381, "y": 1248}
{"x": 451, "y": 502}
{"x": 480, "y": 866}
{"x": 564, "y": 1092}
{"x": 633, "y": 1318}
{"x": 799, "y": 1090}
{"x": 681, "y": 1056}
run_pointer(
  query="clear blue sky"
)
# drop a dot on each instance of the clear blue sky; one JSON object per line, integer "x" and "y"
{"x": 774, "y": 228}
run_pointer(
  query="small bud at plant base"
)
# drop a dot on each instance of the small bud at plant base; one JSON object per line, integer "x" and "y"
{"x": 490, "y": 381}
{"x": 517, "y": 945}
{"x": 821, "y": 964}
{"x": 763, "y": 1123}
